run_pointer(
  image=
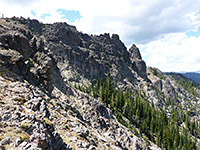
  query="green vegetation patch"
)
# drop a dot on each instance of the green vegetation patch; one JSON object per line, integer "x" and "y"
{"x": 156, "y": 73}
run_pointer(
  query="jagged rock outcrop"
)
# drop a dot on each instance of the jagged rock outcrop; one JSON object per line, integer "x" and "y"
{"x": 18, "y": 42}
{"x": 62, "y": 32}
{"x": 138, "y": 64}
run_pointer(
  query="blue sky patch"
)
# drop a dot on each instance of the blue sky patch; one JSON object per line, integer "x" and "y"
{"x": 194, "y": 33}
{"x": 71, "y": 15}
{"x": 43, "y": 16}
{"x": 33, "y": 13}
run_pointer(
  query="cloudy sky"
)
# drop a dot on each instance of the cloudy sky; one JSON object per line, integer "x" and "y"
{"x": 167, "y": 32}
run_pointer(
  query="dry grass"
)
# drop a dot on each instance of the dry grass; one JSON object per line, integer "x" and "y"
{"x": 25, "y": 125}
{"x": 48, "y": 122}
{"x": 21, "y": 99}
{"x": 24, "y": 136}
{"x": 1, "y": 138}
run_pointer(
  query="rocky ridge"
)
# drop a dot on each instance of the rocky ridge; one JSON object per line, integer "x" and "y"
{"x": 41, "y": 109}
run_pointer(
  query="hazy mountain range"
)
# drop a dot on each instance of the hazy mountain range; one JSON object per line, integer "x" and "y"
{"x": 195, "y": 76}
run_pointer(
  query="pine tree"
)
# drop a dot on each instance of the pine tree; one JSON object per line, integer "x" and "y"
{"x": 152, "y": 125}
{"x": 192, "y": 127}
{"x": 187, "y": 122}
{"x": 121, "y": 100}
{"x": 112, "y": 105}
{"x": 108, "y": 90}
{"x": 117, "y": 102}
{"x": 75, "y": 86}
{"x": 176, "y": 141}
{"x": 130, "y": 112}
{"x": 79, "y": 87}
{"x": 181, "y": 141}
{"x": 102, "y": 96}
{"x": 158, "y": 139}
{"x": 165, "y": 138}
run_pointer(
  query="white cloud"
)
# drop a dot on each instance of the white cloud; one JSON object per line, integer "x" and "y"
{"x": 19, "y": 2}
{"x": 175, "y": 52}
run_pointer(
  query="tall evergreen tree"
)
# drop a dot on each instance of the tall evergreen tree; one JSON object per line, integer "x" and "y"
{"x": 108, "y": 90}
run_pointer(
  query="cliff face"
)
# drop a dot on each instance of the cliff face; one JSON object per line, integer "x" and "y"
{"x": 40, "y": 109}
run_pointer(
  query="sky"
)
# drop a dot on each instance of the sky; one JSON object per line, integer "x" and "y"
{"x": 166, "y": 32}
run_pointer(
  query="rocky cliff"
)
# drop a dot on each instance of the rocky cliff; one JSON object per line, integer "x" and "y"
{"x": 41, "y": 108}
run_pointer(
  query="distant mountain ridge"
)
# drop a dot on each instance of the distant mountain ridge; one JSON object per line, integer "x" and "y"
{"x": 193, "y": 75}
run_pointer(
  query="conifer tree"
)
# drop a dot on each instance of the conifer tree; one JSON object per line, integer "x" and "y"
{"x": 108, "y": 89}
{"x": 112, "y": 105}
{"x": 102, "y": 96}
{"x": 158, "y": 139}
{"x": 176, "y": 141}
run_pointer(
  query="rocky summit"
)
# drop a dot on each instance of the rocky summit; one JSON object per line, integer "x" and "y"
{"x": 63, "y": 89}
